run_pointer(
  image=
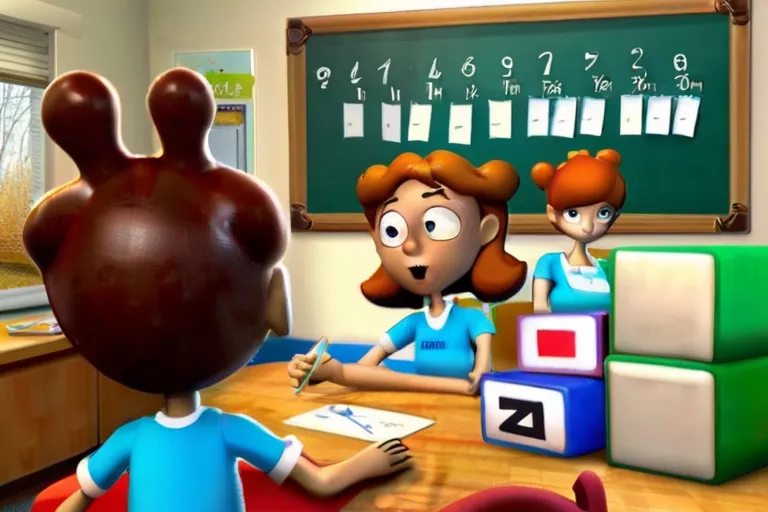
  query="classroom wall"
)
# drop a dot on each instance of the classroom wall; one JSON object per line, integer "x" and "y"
{"x": 114, "y": 43}
{"x": 327, "y": 268}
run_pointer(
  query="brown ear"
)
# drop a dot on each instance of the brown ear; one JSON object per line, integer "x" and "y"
{"x": 81, "y": 114}
{"x": 182, "y": 107}
{"x": 279, "y": 303}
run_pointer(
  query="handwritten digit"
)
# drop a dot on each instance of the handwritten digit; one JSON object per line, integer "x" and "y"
{"x": 592, "y": 58}
{"x": 548, "y": 66}
{"x": 353, "y": 75}
{"x": 507, "y": 63}
{"x": 385, "y": 68}
{"x": 434, "y": 74}
{"x": 468, "y": 69}
{"x": 680, "y": 61}
{"x": 639, "y": 52}
{"x": 323, "y": 76}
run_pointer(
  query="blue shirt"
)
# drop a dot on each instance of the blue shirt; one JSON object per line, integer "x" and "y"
{"x": 574, "y": 289}
{"x": 187, "y": 464}
{"x": 445, "y": 345}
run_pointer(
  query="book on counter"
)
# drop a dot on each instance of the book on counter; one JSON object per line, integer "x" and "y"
{"x": 42, "y": 327}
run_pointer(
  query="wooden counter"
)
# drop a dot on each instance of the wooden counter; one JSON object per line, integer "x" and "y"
{"x": 55, "y": 404}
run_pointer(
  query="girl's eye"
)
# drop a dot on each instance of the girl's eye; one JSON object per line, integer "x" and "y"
{"x": 393, "y": 230}
{"x": 605, "y": 214}
{"x": 441, "y": 224}
{"x": 572, "y": 216}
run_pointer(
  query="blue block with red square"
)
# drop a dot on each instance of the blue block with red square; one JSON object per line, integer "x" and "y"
{"x": 558, "y": 415}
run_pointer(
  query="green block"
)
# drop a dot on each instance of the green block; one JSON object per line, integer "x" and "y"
{"x": 703, "y": 303}
{"x": 697, "y": 421}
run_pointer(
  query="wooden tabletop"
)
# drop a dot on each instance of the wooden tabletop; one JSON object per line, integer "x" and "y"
{"x": 452, "y": 459}
{"x": 19, "y": 348}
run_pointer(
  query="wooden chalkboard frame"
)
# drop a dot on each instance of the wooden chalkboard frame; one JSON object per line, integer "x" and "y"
{"x": 298, "y": 31}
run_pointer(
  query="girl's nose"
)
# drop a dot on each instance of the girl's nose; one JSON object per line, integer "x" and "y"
{"x": 411, "y": 246}
{"x": 587, "y": 226}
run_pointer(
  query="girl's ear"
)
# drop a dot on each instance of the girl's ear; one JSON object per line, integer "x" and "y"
{"x": 489, "y": 228}
{"x": 551, "y": 214}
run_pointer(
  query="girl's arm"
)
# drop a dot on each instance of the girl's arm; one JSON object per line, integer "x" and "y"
{"x": 483, "y": 354}
{"x": 77, "y": 502}
{"x": 541, "y": 290}
{"x": 374, "y": 357}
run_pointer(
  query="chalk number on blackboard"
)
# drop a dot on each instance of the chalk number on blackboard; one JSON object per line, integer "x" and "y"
{"x": 550, "y": 87}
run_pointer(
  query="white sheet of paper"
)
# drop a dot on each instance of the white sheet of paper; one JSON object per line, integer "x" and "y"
{"x": 631, "y": 115}
{"x": 353, "y": 120}
{"x": 420, "y": 122}
{"x": 686, "y": 115}
{"x": 460, "y": 125}
{"x": 500, "y": 119}
{"x": 391, "y": 116}
{"x": 592, "y": 116}
{"x": 564, "y": 120}
{"x": 538, "y": 117}
{"x": 659, "y": 115}
{"x": 365, "y": 423}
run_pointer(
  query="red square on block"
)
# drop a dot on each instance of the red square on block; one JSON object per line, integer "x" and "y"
{"x": 552, "y": 343}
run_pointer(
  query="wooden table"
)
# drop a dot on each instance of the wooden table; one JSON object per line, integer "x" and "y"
{"x": 55, "y": 405}
{"x": 453, "y": 461}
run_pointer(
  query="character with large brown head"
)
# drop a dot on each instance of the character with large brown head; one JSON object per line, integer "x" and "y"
{"x": 163, "y": 272}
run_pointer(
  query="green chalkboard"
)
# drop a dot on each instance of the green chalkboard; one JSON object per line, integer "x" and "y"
{"x": 670, "y": 55}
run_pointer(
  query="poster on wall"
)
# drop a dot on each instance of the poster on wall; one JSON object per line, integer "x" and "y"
{"x": 230, "y": 73}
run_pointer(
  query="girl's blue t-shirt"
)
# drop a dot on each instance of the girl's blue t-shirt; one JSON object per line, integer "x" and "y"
{"x": 574, "y": 289}
{"x": 444, "y": 345}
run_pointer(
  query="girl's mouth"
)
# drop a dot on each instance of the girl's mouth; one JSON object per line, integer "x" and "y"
{"x": 418, "y": 272}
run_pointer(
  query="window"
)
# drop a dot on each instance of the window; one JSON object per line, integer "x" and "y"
{"x": 24, "y": 74}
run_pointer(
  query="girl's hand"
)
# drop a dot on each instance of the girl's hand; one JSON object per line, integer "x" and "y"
{"x": 474, "y": 384}
{"x": 301, "y": 364}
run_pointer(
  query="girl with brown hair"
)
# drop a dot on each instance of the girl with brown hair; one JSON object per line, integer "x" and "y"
{"x": 439, "y": 225}
{"x": 584, "y": 197}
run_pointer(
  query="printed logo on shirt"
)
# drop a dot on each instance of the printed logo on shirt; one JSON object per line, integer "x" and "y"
{"x": 432, "y": 345}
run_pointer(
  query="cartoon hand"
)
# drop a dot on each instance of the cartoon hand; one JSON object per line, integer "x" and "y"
{"x": 301, "y": 364}
{"x": 382, "y": 459}
{"x": 474, "y": 386}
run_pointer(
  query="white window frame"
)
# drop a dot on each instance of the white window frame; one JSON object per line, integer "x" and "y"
{"x": 53, "y": 19}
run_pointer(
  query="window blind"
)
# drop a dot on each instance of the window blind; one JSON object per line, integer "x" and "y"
{"x": 24, "y": 54}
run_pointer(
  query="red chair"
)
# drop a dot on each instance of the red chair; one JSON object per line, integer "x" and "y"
{"x": 261, "y": 494}
{"x": 588, "y": 488}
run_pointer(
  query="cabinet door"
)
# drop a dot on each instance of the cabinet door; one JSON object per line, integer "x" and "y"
{"x": 119, "y": 404}
{"x": 48, "y": 415}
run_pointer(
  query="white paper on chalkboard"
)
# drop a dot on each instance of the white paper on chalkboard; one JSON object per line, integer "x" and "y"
{"x": 500, "y": 119}
{"x": 686, "y": 116}
{"x": 420, "y": 122}
{"x": 391, "y": 116}
{"x": 564, "y": 119}
{"x": 460, "y": 125}
{"x": 538, "y": 117}
{"x": 592, "y": 116}
{"x": 353, "y": 120}
{"x": 631, "y": 115}
{"x": 659, "y": 115}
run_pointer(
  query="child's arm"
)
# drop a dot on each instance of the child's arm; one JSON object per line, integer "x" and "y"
{"x": 99, "y": 471}
{"x": 282, "y": 458}
{"x": 77, "y": 502}
{"x": 376, "y": 460}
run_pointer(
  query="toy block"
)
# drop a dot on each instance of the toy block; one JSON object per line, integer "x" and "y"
{"x": 693, "y": 420}
{"x": 563, "y": 343}
{"x": 558, "y": 415}
{"x": 698, "y": 303}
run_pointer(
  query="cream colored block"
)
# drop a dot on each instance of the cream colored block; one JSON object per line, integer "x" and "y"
{"x": 662, "y": 419}
{"x": 664, "y": 304}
